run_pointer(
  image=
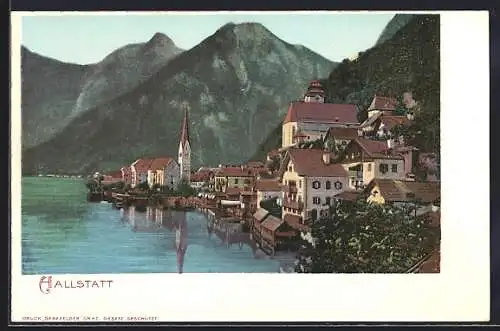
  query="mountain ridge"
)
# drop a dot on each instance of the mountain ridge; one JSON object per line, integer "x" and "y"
{"x": 231, "y": 81}
{"x": 55, "y": 92}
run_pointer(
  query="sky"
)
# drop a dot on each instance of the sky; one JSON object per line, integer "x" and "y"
{"x": 86, "y": 39}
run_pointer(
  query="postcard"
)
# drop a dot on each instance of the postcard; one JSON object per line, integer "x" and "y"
{"x": 248, "y": 166}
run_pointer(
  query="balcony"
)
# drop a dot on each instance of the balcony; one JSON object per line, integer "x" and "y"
{"x": 294, "y": 204}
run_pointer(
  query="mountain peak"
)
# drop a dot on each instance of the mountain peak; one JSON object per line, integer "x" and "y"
{"x": 160, "y": 39}
{"x": 247, "y": 32}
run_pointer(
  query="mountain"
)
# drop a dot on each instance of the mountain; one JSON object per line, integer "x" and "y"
{"x": 49, "y": 89}
{"x": 394, "y": 25}
{"x": 237, "y": 85}
{"x": 409, "y": 61}
{"x": 54, "y": 93}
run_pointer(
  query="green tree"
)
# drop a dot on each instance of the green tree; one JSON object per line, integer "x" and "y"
{"x": 144, "y": 186}
{"x": 184, "y": 189}
{"x": 364, "y": 238}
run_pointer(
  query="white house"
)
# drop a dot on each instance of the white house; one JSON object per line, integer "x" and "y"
{"x": 310, "y": 180}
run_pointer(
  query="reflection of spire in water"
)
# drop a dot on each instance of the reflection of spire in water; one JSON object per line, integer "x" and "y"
{"x": 131, "y": 215}
{"x": 159, "y": 216}
{"x": 150, "y": 214}
{"x": 181, "y": 240}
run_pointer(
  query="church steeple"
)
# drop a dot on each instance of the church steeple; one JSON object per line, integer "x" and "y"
{"x": 181, "y": 243}
{"x": 185, "y": 129}
{"x": 315, "y": 92}
{"x": 185, "y": 149}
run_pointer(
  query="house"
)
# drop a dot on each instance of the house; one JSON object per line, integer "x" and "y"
{"x": 276, "y": 233}
{"x": 112, "y": 177}
{"x": 336, "y": 139}
{"x": 139, "y": 171}
{"x": 236, "y": 177}
{"x": 268, "y": 189}
{"x": 126, "y": 174}
{"x": 309, "y": 119}
{"x": 164, "y": 171}
{"x": 257, "y": 219}
{"x": 310, "y": 180}
{"x": 248, "y": 201}
{"x": 366, "y": 159}
{"x": 380, "y": 125}
{"x": 402, "y": 192}
{"x": 382, "y": 105}
{"x": 201, "y": 178}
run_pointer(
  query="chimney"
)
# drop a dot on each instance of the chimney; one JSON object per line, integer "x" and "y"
{"x": 326, "y": 157}
{"x": 360, "y": 133}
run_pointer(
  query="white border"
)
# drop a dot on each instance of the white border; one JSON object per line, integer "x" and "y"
{"x": 459, "y": 293}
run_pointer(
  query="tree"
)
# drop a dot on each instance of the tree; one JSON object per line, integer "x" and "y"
{"x": 144, "y": 186}
{"x": 366, "y": 238}
{"x": 271, "y": 206}
{"x": 273, "y": 164}
{"x": 184, "y": 189}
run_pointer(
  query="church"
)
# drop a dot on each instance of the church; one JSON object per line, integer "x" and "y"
{"x": 310, "y": 118}
{"x": 184, "y": 158}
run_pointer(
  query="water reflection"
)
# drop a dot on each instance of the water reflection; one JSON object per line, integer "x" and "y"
{"x": 63, "y": 233}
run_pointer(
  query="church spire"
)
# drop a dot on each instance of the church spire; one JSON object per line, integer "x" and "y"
{"x": 185, "y": 129}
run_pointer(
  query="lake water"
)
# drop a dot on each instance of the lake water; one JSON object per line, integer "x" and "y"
{"x": 63, "y": 233}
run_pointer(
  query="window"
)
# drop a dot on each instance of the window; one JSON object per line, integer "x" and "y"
{"x": 394, "y": 168}
{"x": 383, "y": 168}
{"x": 290, "y": 168}
{"x": 316, "y": 200}
{"x": 369, "y": 167}
{"x": 300, "y": 183}
{"x": 236, "y": 180}
{"x": 328, "y": 185}
{"x": 316, "y": 184}
{"x": 338, "y": 185}
{"x": 328, "y": 200}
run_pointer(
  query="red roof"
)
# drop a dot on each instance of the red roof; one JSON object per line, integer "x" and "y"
{"x": 185, "y": 129}
{"x": 322, "y": 113}
{"x": 201, "y": 176}
{"x": 142, "y": 164}
{"x": 160, "y": 163}
{"x": 309, "y": 162}
{"x": 268, "y": 185}
{"x": 294, "y": 222}
{"x": 372, "y": 146}
{"x": 235, "y": 172}
{"x": 125, "y": 169}
{"x": 391, "y": 121}
{"x": 383, "y": 103}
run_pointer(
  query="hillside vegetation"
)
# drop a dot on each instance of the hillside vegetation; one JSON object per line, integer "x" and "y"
{"x": 409, "y": 61}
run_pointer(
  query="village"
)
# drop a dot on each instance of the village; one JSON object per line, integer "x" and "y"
{"x": 327, "y": 157}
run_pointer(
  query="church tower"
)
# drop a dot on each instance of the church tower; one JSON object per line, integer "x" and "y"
{"x": 185, "y": 150}
{"x": 315, "y": 92}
